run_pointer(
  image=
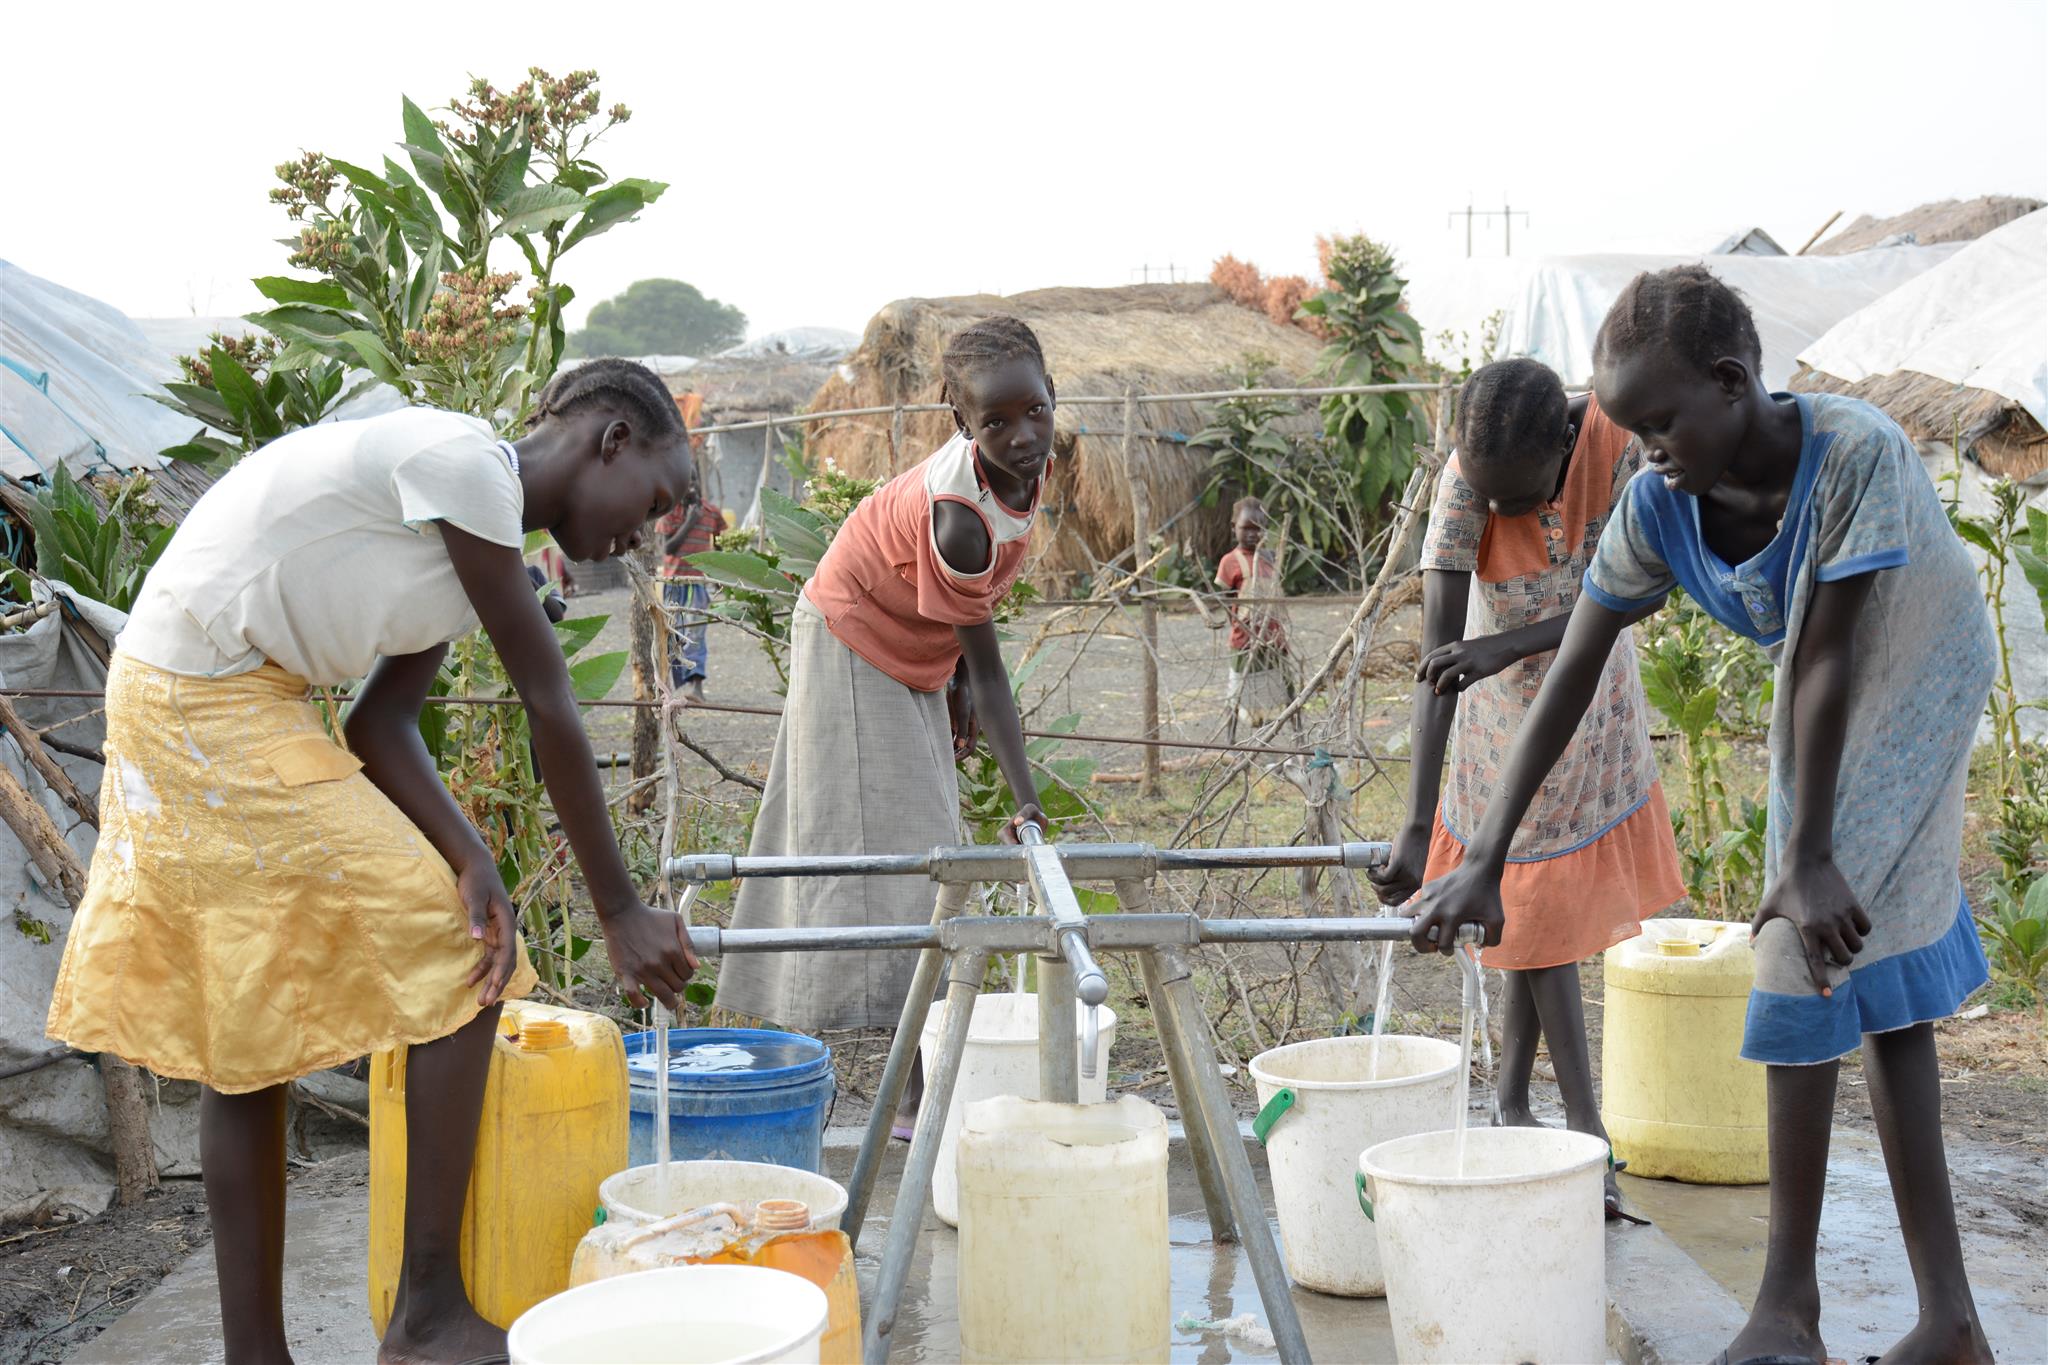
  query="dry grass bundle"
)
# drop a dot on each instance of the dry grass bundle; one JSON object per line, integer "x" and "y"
{"x": 1154, "y": 338}
{"x": 1944, "y": 220}
{"x": 2003, "y": 436}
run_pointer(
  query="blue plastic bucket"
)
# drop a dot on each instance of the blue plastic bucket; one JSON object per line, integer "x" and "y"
{"x": 734, "y": 1094}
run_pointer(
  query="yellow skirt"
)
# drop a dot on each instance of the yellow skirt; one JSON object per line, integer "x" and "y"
{"x": 256, "y": 908}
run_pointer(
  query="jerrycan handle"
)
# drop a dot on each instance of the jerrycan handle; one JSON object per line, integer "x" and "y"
{"x": 1364, "y": 1199}
{"x": 1282, "y": 1101}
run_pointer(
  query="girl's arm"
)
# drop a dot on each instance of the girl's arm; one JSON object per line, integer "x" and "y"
{"x": 648, "y": 949}
{"x": 1810, "y": 890}
{"x": 383, "y": 730}
{"x": 1456, "y": 665}
{"x": 1471, "y": 894}
{"x": 1444, "y": 598}
{"x": 996, "y": 709}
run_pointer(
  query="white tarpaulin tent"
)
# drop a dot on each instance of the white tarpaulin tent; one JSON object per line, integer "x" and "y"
{"x": 1551, "y": 307}
{"x": 79, "y": 368}
{"x": 1978, "y": 320}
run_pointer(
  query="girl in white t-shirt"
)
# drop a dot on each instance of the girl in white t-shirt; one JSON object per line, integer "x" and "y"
{"x": 264, "y": 902}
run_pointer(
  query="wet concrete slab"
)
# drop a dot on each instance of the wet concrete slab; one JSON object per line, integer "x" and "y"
{"x": 326, "y": 1298}
{"x": 1867, "y": 1299}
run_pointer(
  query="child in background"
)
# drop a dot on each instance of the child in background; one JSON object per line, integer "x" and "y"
{"x": 1518, "y": 514}
{"x": 1259, "y": 666}
{"x": 865, "y": 761}
{"x": 684, "y": 532}
{"x": 1808, "y": 524}
{"x": 265, "y": 903}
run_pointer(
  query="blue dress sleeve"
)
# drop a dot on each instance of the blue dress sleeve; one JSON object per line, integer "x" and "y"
{"x": 1629, "y": 568}
{"x": 1861, "y": 510}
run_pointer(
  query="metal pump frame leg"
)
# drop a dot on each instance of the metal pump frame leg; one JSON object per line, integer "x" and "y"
{"x": 959, "y": 949}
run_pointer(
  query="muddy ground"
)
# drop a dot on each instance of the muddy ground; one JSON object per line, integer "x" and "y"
{"x": 59, "y": 1287}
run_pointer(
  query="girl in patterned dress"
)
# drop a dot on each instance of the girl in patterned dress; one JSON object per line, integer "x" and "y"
{"x": 1808, "y": 524}
{"x": 1518, "y": 513}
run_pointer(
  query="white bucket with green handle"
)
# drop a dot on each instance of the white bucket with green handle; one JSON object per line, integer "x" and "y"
{"x": 1324, "y": 1102}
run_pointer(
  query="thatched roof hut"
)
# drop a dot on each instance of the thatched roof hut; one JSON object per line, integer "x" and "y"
{"x": 1153, "y": 338}
{"x": 1943, "y": 220}
{"x": 1955, "y": 355}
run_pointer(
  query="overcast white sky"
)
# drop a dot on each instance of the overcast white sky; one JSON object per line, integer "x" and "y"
{"x": 828, "y": 158}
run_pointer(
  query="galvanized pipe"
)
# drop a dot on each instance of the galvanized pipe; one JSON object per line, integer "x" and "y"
{"x": 914, "y": 1194}
{"x": 924, "y": 984}
{"x": 1027, "y": 934}
{"x": 1010, "y": 862}
{"x": 1187, "y": 1031}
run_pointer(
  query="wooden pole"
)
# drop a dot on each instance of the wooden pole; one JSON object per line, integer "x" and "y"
{"x": 1148, "y": 612}
{"x": 127, "y": 1111}
{"x": 646, "y": 616}
{"x": 47, "y": 767}
{"x": 1818, "y": 231}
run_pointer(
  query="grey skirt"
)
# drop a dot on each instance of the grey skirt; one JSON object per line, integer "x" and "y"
{"x": 863, "y": 764}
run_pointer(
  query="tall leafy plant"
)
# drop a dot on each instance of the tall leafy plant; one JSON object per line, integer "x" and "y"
{"x": 1371, "y": 340}
{"x": 404, "y": 282}
{"x": 102, "y": 554}
{"x": 236, "y": 387}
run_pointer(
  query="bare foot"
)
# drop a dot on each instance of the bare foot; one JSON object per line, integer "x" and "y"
{"x": 447, "y": 1338}
{"x": 1517, "y": 1117}
{"x": 1791, "y": 1333}
{"x": 1941, "y": 1340}
{"x": 694, "y": 691}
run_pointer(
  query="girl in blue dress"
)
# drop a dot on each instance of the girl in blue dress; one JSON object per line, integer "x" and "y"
{"x": 1808, "y": 524}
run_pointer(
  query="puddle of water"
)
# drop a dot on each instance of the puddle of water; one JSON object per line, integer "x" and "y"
{"x": 1867, "y": 1299}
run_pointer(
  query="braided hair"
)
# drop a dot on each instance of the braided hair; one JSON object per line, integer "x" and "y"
{"x": 612, "y": 385}
{"x": 983, "y": 346}
{"x": 1510, "y": 408}
{"x": 1687, "y": 311}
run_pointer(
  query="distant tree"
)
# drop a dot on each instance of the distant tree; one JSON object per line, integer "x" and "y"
{"x": 659, "y": 317}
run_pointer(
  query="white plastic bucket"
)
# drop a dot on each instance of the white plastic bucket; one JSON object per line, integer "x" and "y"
{"x": 1319, "y": 1108}
{"x": 1001, "y": 1058}
{"x": 1506, "y": 1262}
{"x": 1063, "y": 1252}
{"x": 630, "y": 1194}
{"x": 680, "y": 1315}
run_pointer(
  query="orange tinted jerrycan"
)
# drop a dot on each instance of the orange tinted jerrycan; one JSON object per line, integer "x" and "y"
{"x": 553, "y": 1127}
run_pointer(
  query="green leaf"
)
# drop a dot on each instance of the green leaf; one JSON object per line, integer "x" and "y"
{"x": 1096, "y": 902}
{"x": 575, "y": 632}
{"x": 536, "y": 207}
{"x": 305, "y": 322}
{"x": 284, "y": 289}
{"x": 425, "y": 281}
{"x": 238, "y": 389}
{"x": 743, "y": 568}
{"x": 611, "y": 206}
{"x": 2034, "y": 565}
{"x": 1978, "y": 534}
{"x": 508, "y": 172}
{"x": 376, "y": 359}
{"x": 592, "y": 679}
{"x": 201, "y": 448}
{"x": 423, "y": 141}
{"x": 701, "y": 993}
{"x": 205, "y": 404}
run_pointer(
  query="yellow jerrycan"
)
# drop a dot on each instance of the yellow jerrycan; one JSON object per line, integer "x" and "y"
{"x": 553, "y": 1128}
{"x": 1678, "y": 1100}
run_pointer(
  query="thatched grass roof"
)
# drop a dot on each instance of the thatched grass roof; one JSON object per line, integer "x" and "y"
{"x": 1944, "y": 220}
{"x": 2002, "y": 436}
{"x": 1154, "y": 338}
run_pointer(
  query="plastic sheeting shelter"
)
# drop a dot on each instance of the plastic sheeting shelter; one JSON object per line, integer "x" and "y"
{"x": 1551, "y": 307}
{"x": 75, "y": 388}
{"x": 1978, "y": 320}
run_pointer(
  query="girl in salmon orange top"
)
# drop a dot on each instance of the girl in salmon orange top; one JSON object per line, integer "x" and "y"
{"x": 1519, "y": 513}
{"x": 894, "y": 670}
